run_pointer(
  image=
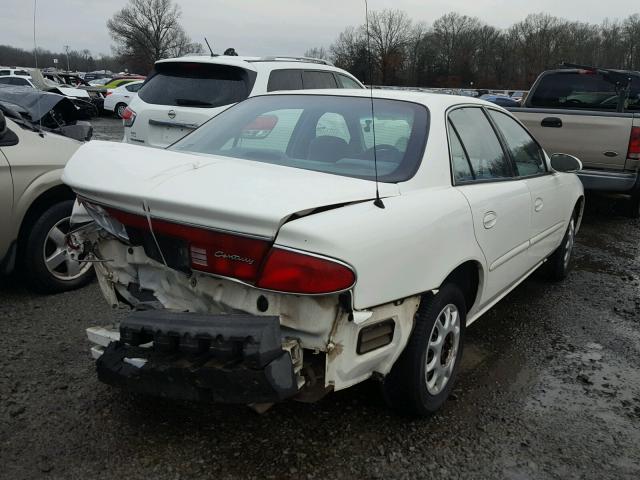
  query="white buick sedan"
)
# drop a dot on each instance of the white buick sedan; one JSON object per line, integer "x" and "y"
{"x": 261, "y": 265}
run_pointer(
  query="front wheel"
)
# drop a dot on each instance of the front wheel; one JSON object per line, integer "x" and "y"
{"x": 557, "y": 267}
{"x": 424, "y": 375}
{"x": 48, "y": 265}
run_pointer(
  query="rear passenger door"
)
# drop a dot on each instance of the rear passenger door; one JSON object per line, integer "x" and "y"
{"x": 547, "y": 222}
{"x": 500, "y": 203}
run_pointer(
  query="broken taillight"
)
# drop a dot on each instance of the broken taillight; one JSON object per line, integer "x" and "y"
{"x": 634, "y": 144}
{"x": 252, "y": 260}
{"x": 128, "y": 117}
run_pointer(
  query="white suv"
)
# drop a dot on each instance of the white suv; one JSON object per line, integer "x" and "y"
{"x": 182, "y": 93}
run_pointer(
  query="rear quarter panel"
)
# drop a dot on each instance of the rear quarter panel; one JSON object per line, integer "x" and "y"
{"x": 408, "y": 247}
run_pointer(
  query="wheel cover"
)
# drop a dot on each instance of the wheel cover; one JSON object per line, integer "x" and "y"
{"x": 442, "y": 350}
{"x": 571, "y": 235}
{"x": 120, "y": 110}
{"x": 58, "y": 254}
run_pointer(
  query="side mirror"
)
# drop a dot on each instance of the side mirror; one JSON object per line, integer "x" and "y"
{"x": 563, "y": 162}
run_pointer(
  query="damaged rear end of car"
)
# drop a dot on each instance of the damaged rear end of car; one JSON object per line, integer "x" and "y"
{"x": 190, "y": 239}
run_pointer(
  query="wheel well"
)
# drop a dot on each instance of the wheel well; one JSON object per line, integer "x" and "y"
{"x": 467, "y": 278}
{"x": 46, "y": 199}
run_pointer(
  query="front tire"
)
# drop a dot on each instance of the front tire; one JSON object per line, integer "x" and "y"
{"x": 559, "y": 263}
{"x": 424, "y": 375}
{"x": 48, "y": 267}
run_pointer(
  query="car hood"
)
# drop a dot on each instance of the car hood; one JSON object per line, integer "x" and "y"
{"x": 212, "y": 191}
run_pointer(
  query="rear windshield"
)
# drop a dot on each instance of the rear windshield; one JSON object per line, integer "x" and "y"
{"x": 196, "y": 85}
{"x": 580, "y": 91}
{"x": 324, "y": 133}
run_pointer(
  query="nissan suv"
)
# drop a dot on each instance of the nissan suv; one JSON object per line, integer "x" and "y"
{"x": 182, "y": 93}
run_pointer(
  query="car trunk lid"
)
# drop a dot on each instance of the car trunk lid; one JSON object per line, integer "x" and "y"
{"x": 216, "y": 192}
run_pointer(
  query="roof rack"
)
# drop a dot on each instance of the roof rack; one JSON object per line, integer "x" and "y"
{"x": 292, "y": 59}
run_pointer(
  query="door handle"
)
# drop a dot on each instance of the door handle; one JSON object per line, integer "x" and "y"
{"x": 489, "y": 220}
{"x": 551, "y": 122}
{"x": 538, "y": 204}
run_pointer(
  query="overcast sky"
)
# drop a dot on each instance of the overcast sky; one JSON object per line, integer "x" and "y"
{"x": 267, "y": 27}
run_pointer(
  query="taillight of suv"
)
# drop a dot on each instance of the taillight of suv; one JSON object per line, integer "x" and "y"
{"x": 128, "y": 117}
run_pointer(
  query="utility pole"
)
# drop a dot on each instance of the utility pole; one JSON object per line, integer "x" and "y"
{"x": 66, "y": 48}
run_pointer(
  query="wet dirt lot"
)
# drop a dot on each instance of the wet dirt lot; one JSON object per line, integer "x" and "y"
{"x": 550, "y": 388}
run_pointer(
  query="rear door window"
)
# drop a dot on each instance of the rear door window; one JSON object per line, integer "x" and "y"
{"x": 481, "y": 145}
{"x": 193, "y": 84}
{"x": 524, "y": 150}
{"x": 287, "y": 79}
{"x": 315, "y": 79}
{"x": 580, "y": 91}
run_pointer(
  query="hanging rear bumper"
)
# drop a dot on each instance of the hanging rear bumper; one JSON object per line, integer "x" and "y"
{"x": 220, "y": 358}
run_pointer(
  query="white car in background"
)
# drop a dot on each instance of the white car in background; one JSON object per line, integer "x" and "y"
{"x": 116, "y": 100}
{"x": 263, "y": 267}
{"x": 17, "y": 81}
{"x": 183, "y": 93}
{"x": 20, "y": 72}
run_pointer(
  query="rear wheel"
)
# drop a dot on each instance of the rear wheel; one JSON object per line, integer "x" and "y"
{"x": 424, "y": 375}
{"x": 119, "y": 110}
{"x": 48, "y": 266}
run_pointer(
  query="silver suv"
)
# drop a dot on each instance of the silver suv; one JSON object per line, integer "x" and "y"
{"x": 183, "y": 93}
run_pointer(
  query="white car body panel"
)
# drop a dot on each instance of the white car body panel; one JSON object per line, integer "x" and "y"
{"x": 214, "y": 191}
{"x": 426, "y": 230}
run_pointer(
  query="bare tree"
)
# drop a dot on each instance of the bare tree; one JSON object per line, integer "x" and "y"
{"x": 148, "y": 30}
{"x": 390, "y": 35}
{"x": 317, "y": 52}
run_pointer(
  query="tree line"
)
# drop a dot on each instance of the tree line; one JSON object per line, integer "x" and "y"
{"x": 143, "y": 31}
{"x": 79, "y": 60}
{"x": 460, "y": 51}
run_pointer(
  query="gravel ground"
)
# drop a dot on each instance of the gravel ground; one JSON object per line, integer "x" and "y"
{"x": 550, "y": 388}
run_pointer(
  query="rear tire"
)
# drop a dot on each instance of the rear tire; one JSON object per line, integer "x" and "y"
{"x": 559, "y": 263}
{"x": 424, "y": 375}
{"x": 47, "y": 265}
{"x": 119, "y": 109}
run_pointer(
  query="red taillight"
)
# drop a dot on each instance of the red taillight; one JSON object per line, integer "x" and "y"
{"x": 634, "y": 144}
{"x": 293, "y": 272}
{"x": 128, "y": 117}
{"x": 109, "y": 92}
{"x": 216, "y": 252}
{"x": 243, "y": 258}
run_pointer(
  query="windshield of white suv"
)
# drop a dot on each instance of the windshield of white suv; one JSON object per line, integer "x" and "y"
{"x": 324, "y": 133}
{"x": 193, "y": 84}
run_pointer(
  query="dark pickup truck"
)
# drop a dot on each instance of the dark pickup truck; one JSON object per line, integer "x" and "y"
{"x": 594, "y": 114}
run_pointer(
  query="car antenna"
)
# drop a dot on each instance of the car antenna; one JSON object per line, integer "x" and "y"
{"x": 35, "y": 56}
{"x": 378, "y": 201}
{"x": 209, "y": 46}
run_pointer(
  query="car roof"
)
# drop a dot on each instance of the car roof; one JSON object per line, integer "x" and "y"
{"x": 251, "y": 63}
{"x": 432, "y": 100}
